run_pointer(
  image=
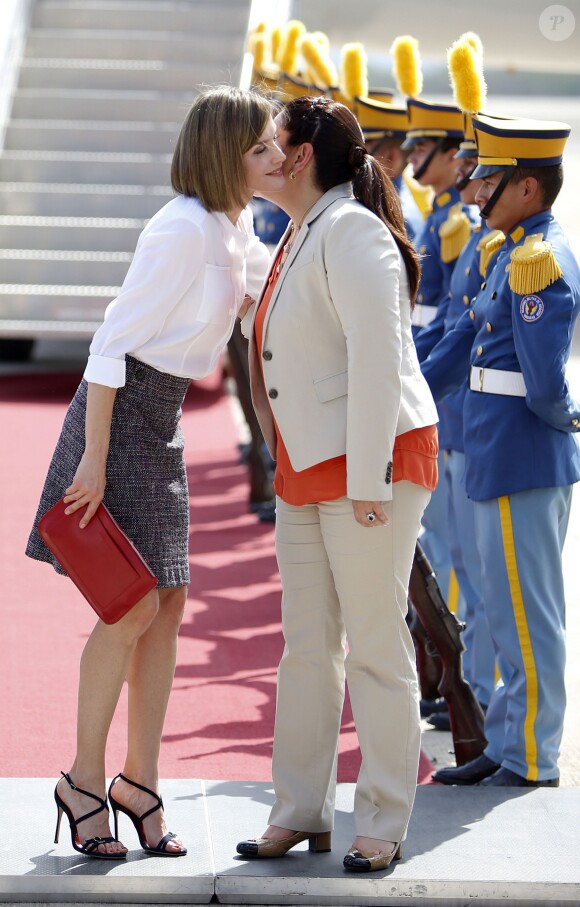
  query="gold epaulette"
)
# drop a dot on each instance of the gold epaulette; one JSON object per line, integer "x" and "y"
{"x": 488, "y": 246}
{"x": 422, "y": 195}
{"x": 454, "y": 233}
{"x": 533, "y": 266}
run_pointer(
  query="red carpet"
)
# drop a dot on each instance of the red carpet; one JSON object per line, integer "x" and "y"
{"x": 221, "y": 713}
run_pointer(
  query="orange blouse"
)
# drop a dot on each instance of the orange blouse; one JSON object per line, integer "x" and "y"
{"x": 414, "y": 454}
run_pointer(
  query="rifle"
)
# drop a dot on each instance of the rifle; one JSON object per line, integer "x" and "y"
{"x": 427, "y": 658}
{"x": 443, "y": 630}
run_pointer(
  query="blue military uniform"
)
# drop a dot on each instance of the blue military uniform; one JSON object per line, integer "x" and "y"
{"x": 478, "y": 658}
{"x": 522, "y": 457}
{"x": 435, "y": 272}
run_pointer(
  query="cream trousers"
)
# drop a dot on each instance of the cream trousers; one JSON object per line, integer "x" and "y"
{"x": 342, "y": 581}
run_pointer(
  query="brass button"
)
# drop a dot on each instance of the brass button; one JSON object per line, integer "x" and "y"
{"x": 488, "y": 328}
{"x": 273, "y": 393}
{"x": 468, "y": 271}
{"x": 431, "y": 229}
{"x": 479, "y": 352}
{"x": 575, "y": 422}
{"x": 267, "y": 355}
{"x": 494, "y": 294}
{"x": 420, "y": 297}
{"x": 472, "y": 315}
{"x": 484, "y": 284}
{"x": 466, "y": 300}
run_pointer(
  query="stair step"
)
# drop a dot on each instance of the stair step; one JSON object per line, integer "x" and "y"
{"x": 22, "y": 328}
{"x": 139, "y": 45}
{"x": 230, "y": 16}
{"x": 59, "y": 166}
{"x": 32, "y": 266}
{"x": 73, "y": 233}
{"x": 91, "y": 135}
{"x": 63, "y": 302}
{"x": 77, "y": 104}
{"x": 124, "y": 75}
{"x": 82, "y": 200}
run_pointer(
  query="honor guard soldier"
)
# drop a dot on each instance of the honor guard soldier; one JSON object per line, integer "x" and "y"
{"x": 522, "y": 454}
{"x": 471, "y": 268}
{"x": 433, "y": 138}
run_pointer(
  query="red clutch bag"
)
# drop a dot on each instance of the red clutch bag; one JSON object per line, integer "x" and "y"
{"x": 101, "y": 560}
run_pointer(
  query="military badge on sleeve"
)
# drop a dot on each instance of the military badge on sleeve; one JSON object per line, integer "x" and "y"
{"x": 531, "y": 308}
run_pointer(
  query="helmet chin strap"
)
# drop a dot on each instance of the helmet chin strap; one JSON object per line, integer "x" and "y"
{"x": 417, "y": 174}
{"x": 487, "y": 209}
{"x": 464, "y": 180}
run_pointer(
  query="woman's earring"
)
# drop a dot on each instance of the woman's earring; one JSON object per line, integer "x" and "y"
{"x": 292, "y": 175}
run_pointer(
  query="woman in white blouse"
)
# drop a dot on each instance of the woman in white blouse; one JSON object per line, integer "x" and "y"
{"x": 121, "y": 443}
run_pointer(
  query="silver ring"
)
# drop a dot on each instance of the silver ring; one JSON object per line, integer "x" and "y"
{"x": 371, "y": 517}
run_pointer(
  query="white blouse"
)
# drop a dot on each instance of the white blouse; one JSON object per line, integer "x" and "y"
{"x": 178, "y": 303}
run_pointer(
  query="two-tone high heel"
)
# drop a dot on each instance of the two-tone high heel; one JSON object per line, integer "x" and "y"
{"x": 358, "y": 861}
{"x": 90, "y": 847}
{"x": 318, "y": 842}
{"x": 160, "y": 848}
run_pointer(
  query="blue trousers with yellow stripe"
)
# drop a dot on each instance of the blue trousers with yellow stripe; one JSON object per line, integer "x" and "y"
{"x": 520, "y": 538}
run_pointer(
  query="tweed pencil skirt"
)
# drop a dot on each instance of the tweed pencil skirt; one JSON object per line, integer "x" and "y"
{"x": 146, "y": 490}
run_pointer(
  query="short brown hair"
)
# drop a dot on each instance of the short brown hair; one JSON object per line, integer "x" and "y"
{"x": 222, "y": 124}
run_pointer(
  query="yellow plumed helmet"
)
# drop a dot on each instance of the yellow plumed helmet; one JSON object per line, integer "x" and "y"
{"x": 465, "y": 67}
{"x": 354, "y": 81}
{"x": 259, "y": 46}
{"x": 407, "y": 65}
{"x": 319, "y": 63}
{"x": 289, "y": 52}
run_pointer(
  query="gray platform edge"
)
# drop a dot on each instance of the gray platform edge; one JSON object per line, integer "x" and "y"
{"x": 464, "y": 845}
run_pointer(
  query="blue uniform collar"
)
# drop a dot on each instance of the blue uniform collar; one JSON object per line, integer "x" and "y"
{"x": 527, "y": 226}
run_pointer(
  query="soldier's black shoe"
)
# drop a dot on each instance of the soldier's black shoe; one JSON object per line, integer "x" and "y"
{"x": 429, "y": 707}
{"x": 470, "y": 773}
{"x": 440, "y": 721}
{"x": 506, "y": 778}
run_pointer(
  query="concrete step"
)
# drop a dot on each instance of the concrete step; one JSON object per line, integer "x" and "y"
{"x": 72, "y": 303}
{"x": 73, "y": 233}
{"x": 103, "y": 44}
{"x": 231, "y": 16}
{"x": 82, "y": 200}
{"x": 60, "y": 166}
{"x": 91, "y": 135}
{"x": 96, "y": 104}
{"x": 465, "y": 845}
{"x": 123, "y": 75}
{"x": 32, "y": 266}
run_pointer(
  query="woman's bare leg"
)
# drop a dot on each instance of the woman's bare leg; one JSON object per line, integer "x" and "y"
{"x": 150, "y": 678}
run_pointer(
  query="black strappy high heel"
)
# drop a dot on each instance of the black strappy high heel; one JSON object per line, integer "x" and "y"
{"x": 160, "y": 849}
{"x": 88, "y": 848}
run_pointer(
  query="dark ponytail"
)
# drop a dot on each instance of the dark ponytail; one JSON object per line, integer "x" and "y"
{"x": 340, "y": 156}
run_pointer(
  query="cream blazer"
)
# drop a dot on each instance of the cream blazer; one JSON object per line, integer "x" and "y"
{"x": 339, "y": 372}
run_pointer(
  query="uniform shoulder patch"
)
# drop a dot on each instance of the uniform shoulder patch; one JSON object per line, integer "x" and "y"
{"x": 531, "y": 308}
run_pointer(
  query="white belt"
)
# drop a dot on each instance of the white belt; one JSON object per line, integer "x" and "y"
{"x": 497, "y": 381}
{"x": 423, "y": 314}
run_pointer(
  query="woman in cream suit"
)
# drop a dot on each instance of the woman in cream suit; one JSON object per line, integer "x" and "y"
{"x": 351, "y": 423}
